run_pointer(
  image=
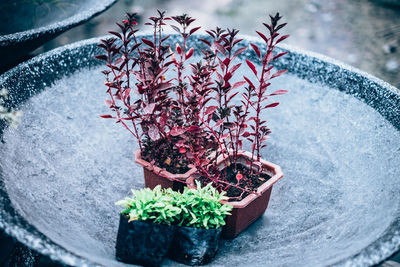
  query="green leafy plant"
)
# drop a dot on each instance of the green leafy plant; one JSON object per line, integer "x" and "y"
{"x": 150, "y": 205}
{"x": 199, "y": 208}
{"x": 202, "y": 207}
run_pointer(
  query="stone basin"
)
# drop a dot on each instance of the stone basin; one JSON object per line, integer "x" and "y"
{"x": 26, "y": 25}
{"x": 336, "y": 136}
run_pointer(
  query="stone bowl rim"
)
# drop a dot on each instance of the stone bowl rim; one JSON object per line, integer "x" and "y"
{"x": 57, "y": 26}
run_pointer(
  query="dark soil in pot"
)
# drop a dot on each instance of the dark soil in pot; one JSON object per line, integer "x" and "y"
{"x": 161, "y": 154}
{"x": 141, "y": 242}
{"x": 194, "y": 246}
{"x": 251, "y": 181}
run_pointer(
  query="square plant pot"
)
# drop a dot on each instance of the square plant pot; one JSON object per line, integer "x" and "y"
{"x": 154, "y": 175}
{"x": 142, "y": 242}
{"x": 194, "y": 246}
{"x": 252, "y": 207}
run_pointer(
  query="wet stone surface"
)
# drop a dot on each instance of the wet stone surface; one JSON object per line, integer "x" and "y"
{"x": 64, "y": 167}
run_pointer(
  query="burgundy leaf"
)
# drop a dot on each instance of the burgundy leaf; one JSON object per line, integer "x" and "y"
{"x": 271, "y": 105}
{"x": 234, "y": 68}
{"x": 239, "y": 51}
{"x": 269, "y": 68}
{"x": 256, "y": 50}
{"x": 101, "y": 57}
{"x": 106, "y": 116}
{"x": 268, "y": 57}
{"x": 163, "y": 86}
{"x": 178, "y": 48}
{"x": 246, "y": 134}
{"x": 148, "y": 42}
{"x": 163, "y": 119}
{"x": 194, "y": 30}
{"x": 210, "y": 33}
{"x": 227, "y": 77}
{"x": 282, "y": 38}
{"x": 232, "y": 96}
{"x": 205, "y": 41}
{"x": 238, "y": 84}
{"x": 249, "y": 82}
{"x": 116, "y": 34}
{"x": 279, "y": 55}
{"x": 119, "y": 61}
{"x": 219, "y": 123}
{"x": 226, "y": 61}
{"x": 280, "y": 26}
{"x": 262, "y": 36}
{"x": 221, "y": 64}
{"x": 278, "y": 73}
{"x": 218, "y": 47}
{"x": 175, "y": 28}
{"x": 177, "y": 131}
{"x": 189, "y": 53}
{"x": 279, "y": 92}
{"x": 210, "y": 109}
{"x": 127, "y": 92}
{"x": 252, "y": 67}
{"x": 194, "y": 129}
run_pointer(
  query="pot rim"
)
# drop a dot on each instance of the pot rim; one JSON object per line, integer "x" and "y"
{"x": 277, "y": 175}
{"x": 162, "y": 172}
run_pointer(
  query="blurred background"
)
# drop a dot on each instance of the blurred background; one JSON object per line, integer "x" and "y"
{"x": 362, "y": 33}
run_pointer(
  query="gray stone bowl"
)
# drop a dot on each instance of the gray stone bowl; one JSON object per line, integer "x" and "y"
{"x": 26, "y": 25}
{"x": 336, "y": 136}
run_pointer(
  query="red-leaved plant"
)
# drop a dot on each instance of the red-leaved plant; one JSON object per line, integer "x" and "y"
{"x": 182, "y": 114}
{"x": 164, "y": 118}
{"x": 231, "y": 124}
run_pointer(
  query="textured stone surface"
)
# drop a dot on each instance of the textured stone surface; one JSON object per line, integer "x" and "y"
{"x": 336, "y": 136}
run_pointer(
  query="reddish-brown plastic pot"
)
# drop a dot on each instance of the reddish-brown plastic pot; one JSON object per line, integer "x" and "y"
{"x": 154, "y": 175}
{"x": 249, "y": 209}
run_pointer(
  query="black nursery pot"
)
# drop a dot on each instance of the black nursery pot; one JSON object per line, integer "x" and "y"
{"x": 194, "y": 246}
{"x": 141, "y": 242}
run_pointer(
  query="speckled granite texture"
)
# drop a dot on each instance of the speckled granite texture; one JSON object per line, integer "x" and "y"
{"x": 336, "y": 136}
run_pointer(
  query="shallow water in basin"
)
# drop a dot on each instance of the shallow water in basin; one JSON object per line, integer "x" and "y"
{"x": 64, "y": 167}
